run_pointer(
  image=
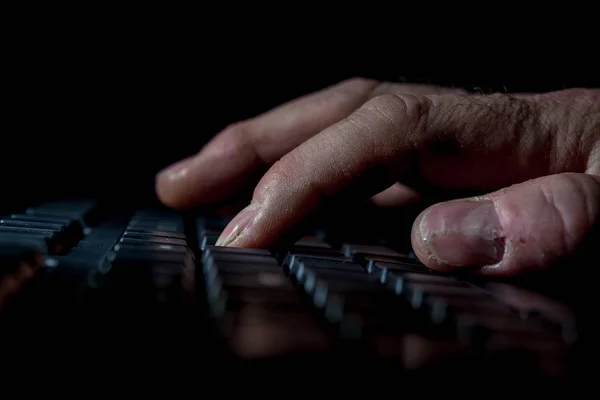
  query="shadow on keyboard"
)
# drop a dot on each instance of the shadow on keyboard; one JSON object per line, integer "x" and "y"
{"x": 86, "y": 275}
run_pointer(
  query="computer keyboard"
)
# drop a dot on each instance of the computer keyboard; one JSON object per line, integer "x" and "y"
{"x": 80, "y": 269}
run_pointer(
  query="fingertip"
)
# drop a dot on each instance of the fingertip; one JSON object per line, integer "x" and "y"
{"x": 168, "y": 183}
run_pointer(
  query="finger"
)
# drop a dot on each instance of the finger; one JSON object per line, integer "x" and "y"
{"x": 504, "y": 139}
{"x": 231, "y": 159}
{"x": 236, "y": 153}
{"x": 525, "y": 228}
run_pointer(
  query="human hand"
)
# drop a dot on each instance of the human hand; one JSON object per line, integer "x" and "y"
{"x": 537, "y": 156}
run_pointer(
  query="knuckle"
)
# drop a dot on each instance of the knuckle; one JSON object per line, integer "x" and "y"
{"x": 408, "y": 113}
{"x": 238, "y": 131}
{"x": 236, "y": 139}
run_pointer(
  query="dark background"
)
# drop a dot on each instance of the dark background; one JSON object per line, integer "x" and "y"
{"x": 98, "y": 107}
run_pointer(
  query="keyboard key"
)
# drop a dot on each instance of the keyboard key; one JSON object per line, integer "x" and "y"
{"x": 152, "y": 247}
{"x": 353, "y": 250}
{"x": 239, "y": 258}
{"x": 311, "y": 242}
{"x": 152, "y": 240}
{"x": 292, "y": 262}
{"x": 324, "y": 254}
{"x": 379, "y": 268}
{"x": 235, "y": 251}
{"x": 44, "y": 241}
{"x": 153, "y": 233}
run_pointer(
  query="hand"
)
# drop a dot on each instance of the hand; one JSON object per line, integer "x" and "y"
{"x": 538, "y": 157}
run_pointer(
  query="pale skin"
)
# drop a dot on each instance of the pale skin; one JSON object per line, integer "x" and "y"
{"x": 537, "y": 156}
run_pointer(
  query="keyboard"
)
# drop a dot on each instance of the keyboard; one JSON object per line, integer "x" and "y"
{"x": 88, "y": 278}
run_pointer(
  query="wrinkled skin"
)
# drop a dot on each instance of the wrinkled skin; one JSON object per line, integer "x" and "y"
{"x": 536, "y": 155}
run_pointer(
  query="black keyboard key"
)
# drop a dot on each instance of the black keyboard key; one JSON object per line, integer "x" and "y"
{"x": 351, "y": 250}
{"x": 324, "y": 254}
{"x": 239, "y": 259}
{"x": 153, "y": 233}
{"x": 292, "y": 262}
{"x": 131, "y": 239}
{"x": 152, "y": 247}
{"x": 391, "y": 260}
{"x": 237, "y": 255}
{"x": 165, "y": 222}
{"x": 41, "y": 218}
{"x": 71, "y": 230}
{"x": 135, "y": 257}
{"x": 235, "y": 250}
{"x": 311, "y": 242}
{"x": 380, "y": 269}
{"x": 44, "y": 241}
{"x": 32, "y": 224}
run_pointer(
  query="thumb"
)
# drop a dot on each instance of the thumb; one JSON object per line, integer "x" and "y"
{"x": 524, "y": 228}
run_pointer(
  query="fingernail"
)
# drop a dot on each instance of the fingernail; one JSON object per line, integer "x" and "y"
{"x": 237, "y": 225}
{"x": 176, "y": 171}
{"x": 463, "y": 233}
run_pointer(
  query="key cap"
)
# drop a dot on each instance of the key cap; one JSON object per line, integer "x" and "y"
{"x": 324, "y": 254}
{"x": 137, "y": 257}
{"x": 153, "y": 233}
{"x": 235, "y": 251}
{"x": 380, "y": 268}
{"x": 152, "y": 247}
{"x": 240, "y": 260}
{"x": 353, "y": 250}
{"x": 311, "y": 242}
{"x": 152, "y": 240}
{"x": 292, "y": 262}
{"x": 44, "y": 241}
{"x": 61, "y": 236}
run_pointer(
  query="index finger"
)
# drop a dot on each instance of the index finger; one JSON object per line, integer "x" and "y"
{"x": 234, "y": 155}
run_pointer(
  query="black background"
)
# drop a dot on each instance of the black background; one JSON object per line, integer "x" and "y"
{"x": 98, "y": 105}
